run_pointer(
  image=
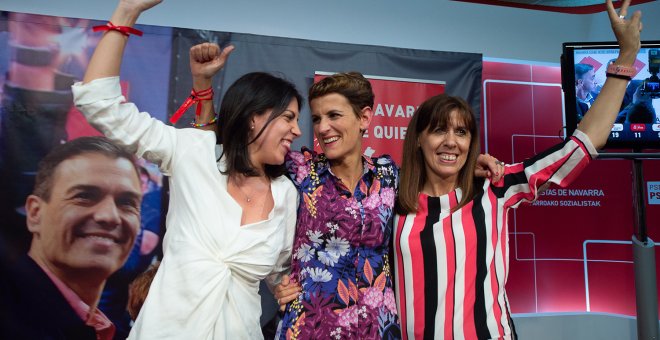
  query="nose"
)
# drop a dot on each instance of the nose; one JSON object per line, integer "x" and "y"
{"x": 450, "y": 139}
{"x": 107, "y": 213}
{"x": 295, "y": 130}
{"x": 322, "y": 127}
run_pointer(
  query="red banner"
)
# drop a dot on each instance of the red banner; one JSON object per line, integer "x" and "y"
{"x": 396, "y": 101}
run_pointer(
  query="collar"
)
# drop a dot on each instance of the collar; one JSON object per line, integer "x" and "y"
{"x": 322, "y": 165}
{"x": 104, "y": 328}
{"x": 588, "y": 99}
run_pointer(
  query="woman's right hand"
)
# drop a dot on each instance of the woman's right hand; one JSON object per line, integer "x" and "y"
{"x": 287, "y": 291}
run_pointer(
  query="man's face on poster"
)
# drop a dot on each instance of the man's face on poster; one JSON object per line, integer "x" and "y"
{"x": 588, "y": 81}
{"x": 91, "y": 219}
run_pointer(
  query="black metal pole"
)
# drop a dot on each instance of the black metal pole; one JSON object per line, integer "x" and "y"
{"x": 639, "y": 208}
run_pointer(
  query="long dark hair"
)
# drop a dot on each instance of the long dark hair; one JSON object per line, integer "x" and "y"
{"x": 252, "y": 94}
{"x": 433, "y": 113}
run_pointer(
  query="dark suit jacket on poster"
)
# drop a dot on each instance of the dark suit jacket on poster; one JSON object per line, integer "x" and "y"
{"x": 581, "y": 109}
{"x": 31, "y": 306}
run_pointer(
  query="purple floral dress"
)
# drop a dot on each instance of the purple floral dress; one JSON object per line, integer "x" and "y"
{"x": 341, "y": 252}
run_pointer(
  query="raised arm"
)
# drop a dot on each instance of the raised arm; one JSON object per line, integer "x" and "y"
{"x": 598, "y": 121}
{"x": 100, "y": 99}
{"x": 108, "y": 54}
{"x": 206, "y": 60}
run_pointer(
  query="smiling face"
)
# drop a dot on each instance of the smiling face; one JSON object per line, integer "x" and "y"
{"x": 275, "y": 141}
{"x": 337, "y": 127}
{"x": 91, "y": 218}
{"x": 445, "y": 149}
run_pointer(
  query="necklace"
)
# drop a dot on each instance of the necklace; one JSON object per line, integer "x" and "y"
{"x": 248, "y": 198}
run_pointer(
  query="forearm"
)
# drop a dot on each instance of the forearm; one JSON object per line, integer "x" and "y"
{"x": 597, "y": 123}
{"x": 107, "y": 57}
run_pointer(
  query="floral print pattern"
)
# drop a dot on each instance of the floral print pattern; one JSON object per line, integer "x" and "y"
{"x": 340, "y": 254}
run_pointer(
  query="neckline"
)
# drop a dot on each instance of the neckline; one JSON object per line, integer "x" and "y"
{"x": 425, "y": 195}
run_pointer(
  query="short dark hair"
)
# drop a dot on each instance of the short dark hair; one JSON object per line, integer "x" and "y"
{"x": 43, "y": 184}
{"x": 581, "y": 69}
{"x": 252, "y": 94}
{"x": 352, "y": 85}
{"x": 435, "y": 112}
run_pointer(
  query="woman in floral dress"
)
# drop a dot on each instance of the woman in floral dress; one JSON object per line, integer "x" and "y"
{"x": 341, "y": 247}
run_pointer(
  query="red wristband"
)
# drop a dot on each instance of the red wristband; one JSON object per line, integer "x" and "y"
{"x": 195, "y": 97}
{"x": 125, "y": 30}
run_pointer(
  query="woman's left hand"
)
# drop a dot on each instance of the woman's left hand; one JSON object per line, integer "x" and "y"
{"x": 489, "y": 167}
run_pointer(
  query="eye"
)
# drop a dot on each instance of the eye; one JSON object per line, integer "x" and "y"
{"x": 128, "y": 203}
{"x": 85, "y": 197}
{"x": 316, "y": 119}
{"x": 461, "y": 132}
{"x": 439, "y": 130}
{"x": 334, "y": 115}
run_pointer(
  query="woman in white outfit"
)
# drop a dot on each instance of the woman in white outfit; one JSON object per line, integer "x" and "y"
{"x": 230, "y": 222}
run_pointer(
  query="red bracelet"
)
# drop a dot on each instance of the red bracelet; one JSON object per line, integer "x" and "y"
{"x": 195, "y": 97}
{"x": 125, "y": 30}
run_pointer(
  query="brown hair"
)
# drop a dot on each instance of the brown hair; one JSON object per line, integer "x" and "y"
{"x": 352, "y": 85}
{"x": 434, "y": 113}
{"x": 138, "y": 290}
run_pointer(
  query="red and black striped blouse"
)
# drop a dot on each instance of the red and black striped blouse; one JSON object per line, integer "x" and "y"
{"x": 451, "y": 267}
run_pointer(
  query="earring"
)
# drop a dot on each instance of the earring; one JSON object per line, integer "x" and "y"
{"x": 252, "y": 127}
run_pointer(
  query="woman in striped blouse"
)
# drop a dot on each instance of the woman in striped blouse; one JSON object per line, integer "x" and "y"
{"x": 450, "y": 243}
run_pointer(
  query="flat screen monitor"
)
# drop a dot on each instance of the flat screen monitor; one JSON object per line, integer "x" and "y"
{"x": 583, "y": 66}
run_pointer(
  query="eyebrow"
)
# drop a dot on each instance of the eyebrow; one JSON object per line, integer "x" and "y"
{"x": 94, "y": 188}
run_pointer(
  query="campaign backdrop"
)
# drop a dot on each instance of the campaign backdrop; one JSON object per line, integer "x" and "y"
{"x": 42, "y": 56}
{"x": 570, "y": 250}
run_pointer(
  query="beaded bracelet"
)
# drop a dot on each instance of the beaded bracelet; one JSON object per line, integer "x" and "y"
{"x": 210, "y": 122}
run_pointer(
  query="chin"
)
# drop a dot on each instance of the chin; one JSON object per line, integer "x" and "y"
{"x": 333, "y": 154}
{"x": 276, "y": 161}
{"x": 108, "y": 261}
{"x": 99, "y": 267}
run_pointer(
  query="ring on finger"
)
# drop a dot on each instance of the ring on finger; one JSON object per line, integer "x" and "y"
{"x": 498, "y": 162}
{"x": 622, "y": 16}
{"x": 278, "y": 302}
